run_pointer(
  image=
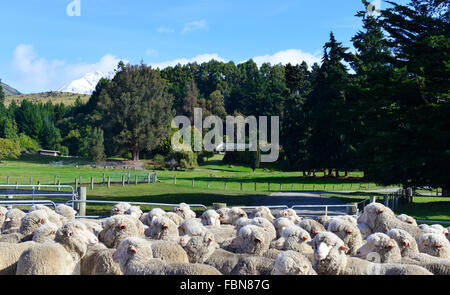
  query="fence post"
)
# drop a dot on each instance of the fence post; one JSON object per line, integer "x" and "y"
{"x": 103, "y": 178}
{"x": 225, "y": 186}
{"x": 123, "y": 180}
{"x": 351, "y": 184}
{"x": 241, "y": 186}
{"x": 135, "y": 179}
{"x": 174, "y": 179}
{"x": 76, "y": 184}
{"x": 109, "y": 181}
{"x": 148, "y": 178}
{"x": 333, "y": 188}
{"x": 82, "y": 197}
{"x": 92, "y": 183}
{"x": 268, "y": 186}
{"x": 325, "y": 188}
{"x": 193, "y": 182}
{"x": 373, "y": 199}
{"x": 9, "y": 206}
{"x": 129, "y": 175}
{"x": 54, "y": 180}
{"x": 7, "y": 180}
{"x": 292, "y": 187}
{"x": 81, "y": 180}
{"x": 326, "y": 210}
{"x": 39, "y": 185}
{"x": 303, "y": 187}
{"x": 17, "y": 184}
{"x": 59, "y": 185}
{"x": 208, "y": 184}
{"x": 31, "y": 180}
{"x": 386, "y": 200}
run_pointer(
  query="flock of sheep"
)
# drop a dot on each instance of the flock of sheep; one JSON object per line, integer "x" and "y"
{"x": 220, "y": 242}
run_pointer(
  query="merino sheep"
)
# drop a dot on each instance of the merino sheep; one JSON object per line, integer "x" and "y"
{"x": 330, "y": 259}
{"x": 222, "y": 234}
{"x": 223, "y": 212}
{"x": 281, "y": 223}
{"x": 365, "y": 230}
{"x": 266, "y": 225}
{"x": 263, "y": 212}
{"x": 407, "y": 219}
{"x": 411, "y": 255}
{"x": 210, "y": 217}
{"x": 190, "y": 269}
{"x": 311, "y": 226}
{"x": 98, "y": 260}
{"x": 68, "y": 212}
{"x": 380, "y": 248}
{"x": 296, "y": 239}
{"x": 198, "y": 248}
{"x": 115, "y": 229}
{"x": 32, "y": 221}
{"x": 293, "y": 263}
{"x": 134, "y": 211}
{"x": 177, "y": 219}
{"x": 381, "y": 219}
{"x": 291, "y": 214}
{"x": 251, "y": 239}
{"x": 14, "y": 238}
{"x": 45, "y": 233}
{"x": 152, "y": 214}
{"x": 241, "y": 222}
{"x": 3, "y": 211}
{"x": 233, "y": 215}
{"x": 162, "y": 228}
{"x": 59, "y": 258}
{"x": 13, "y": 219}
{"x": 254, "y": 265}
{"x": 120, "y": 208}
{"x": 435, "y": 245}
{"x": 348, "y": 232}
{"x": 184, "y": 211}
{"x": 9, "y": 256}
{"x": 53, "y": 217}
{"x": 191, "y": 227}
{"x": 224, "y": 261}
{"x": 168, "y": 251}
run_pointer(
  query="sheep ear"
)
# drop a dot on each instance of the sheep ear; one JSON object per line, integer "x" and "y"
{"x": 406, "y": 243}
{"x": 69, "y": 233}
{"x": 391, "y": 245}
{"x": 305, "y": 237}
{"x": 258, "y": 240}
{"x": 438, "y": 246}
{"x": 349, "y": 231}
{"x": 242, "y": 215}
{"x": 379, "y": 211}
{"x": 122, "y": 226}
{"x": 42, "y": 221}
{"x": 343, "y": 248}
{"x": 133, "y": 249}
{"x": 164, "y": 226}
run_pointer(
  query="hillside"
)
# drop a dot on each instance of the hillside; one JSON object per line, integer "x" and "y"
{"x": 55, "y": 97}
{"x": 8, "y": 90}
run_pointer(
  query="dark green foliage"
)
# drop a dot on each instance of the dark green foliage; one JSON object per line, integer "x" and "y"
{"x": 96, "y": 147}
{"x": 183, "y": 159}
{"x": 136, "y": 108}
{"x": 9, "y": 149}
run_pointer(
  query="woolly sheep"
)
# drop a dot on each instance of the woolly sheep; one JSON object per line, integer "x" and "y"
{"x": 381, "y": 248}
{"x": 221, "y": 234}
{"x": 135, "y": 257}
{"x": 162, "y": 228}
{"x": 330, "y": 259}
{"x": 115, "y": 229}
{"x": 53, "y": 217}
{"x": 68, "y": 212}
{"x": 407, "y": 219}
{"x": 92, "y": 225}
{"x": 281, "y": 223}
{"x": 134, "y": 211}
{"x": 294, "y": 238}
{"x": 190, "y": 269}
{"x": 254, "y": 265}
{"x": 153, "y": 214}
{"x": 223, "y": 212}
{"x": 3, "y": 211}
{"x": 241, "y": 222}
{"x": 168, "y": 251}
{"x": 291, "y": 214}
{"x": 311, "y": 226}
{"x": 233, "y": 215}
{"x": 223, "y": 260}
{"x": 251, "y": 239}
{"x": 348, "y": 232}
{"x": 98, "y": 260}
{"x": 266, "y": 225}
{"x": 13, "y": 219}
{"x": 293, "y": 263}
{"x": 120, "y": 208}
{"x": 13, "y": 238}
{"x": 411, "y": 255}
{"x": 191, "y": 227}
{"x": 381, "y": 219}
{"x": 184, "y": 211}
{"x": 32, "y": 221}
{"x": 177, "y": 219}
{"x": 210, "y": 217}
{"x": 263, "y": 212}
{"x": 10, "y": 254}
{"x": 435, "y": 245}
{"x": 365, "y": 230}
{"x": 59, "y": 258}
{"x": 198, "y": 248}
{"x": 45, "y": 233}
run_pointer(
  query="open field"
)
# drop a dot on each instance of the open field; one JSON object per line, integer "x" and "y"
{"x": 53, "y": 96}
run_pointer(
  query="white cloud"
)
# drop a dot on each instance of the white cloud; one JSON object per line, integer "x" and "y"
{"x": 165, "y": 30}
{"x": 32, "y": 73}
{"x": 195, "y": 25}
{"x": 199, "y": 59}
{"x": 293, "y": 56}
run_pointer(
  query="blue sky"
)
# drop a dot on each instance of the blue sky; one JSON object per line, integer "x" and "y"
{"x": 43, "y": 48}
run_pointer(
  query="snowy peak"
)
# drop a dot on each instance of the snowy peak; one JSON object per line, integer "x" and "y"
{"x": 87, "y": 84}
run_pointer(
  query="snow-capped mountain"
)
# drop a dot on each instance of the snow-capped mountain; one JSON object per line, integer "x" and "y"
{"x": 86, "y": 85}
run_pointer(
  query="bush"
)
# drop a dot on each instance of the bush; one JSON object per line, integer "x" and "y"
{"x": 26, "y": 143}
{"x": 158, "y": 161}
{"x": 189, "y": 157}
{"x": 9, "y": 149}
{"x": 63, "y": 149}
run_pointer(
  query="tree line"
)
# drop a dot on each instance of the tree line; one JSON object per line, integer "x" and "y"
{"x": 383, "y": 109}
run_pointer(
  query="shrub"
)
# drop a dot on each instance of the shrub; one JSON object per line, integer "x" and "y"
{"x": 9, "y": 149}
{"x": 189, "y": 157}
{"x": 26, "y": 143}
{"x": 158, "y": 161}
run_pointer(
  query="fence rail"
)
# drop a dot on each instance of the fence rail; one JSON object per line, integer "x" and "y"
{"x": 27, "y": 203}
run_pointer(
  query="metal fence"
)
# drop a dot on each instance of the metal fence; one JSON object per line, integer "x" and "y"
{"x": 35, "y": 191}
